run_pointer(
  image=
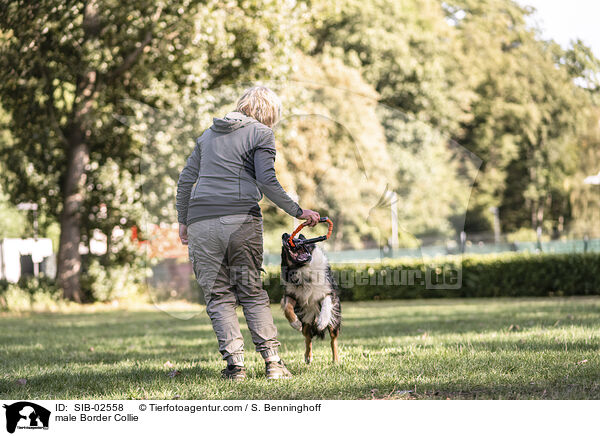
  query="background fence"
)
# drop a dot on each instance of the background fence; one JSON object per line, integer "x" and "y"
{"x": 475, "y": 246}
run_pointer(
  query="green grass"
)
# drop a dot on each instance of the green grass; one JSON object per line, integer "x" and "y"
{"x": 436, "y": 349}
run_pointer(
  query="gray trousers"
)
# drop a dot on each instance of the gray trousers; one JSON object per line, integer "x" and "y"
{"x": 227, "y": 253}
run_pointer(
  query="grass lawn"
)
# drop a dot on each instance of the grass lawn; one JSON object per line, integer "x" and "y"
{"x": 425, "y": 349}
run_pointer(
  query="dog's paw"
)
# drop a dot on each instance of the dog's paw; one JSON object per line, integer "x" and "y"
{"x": 297, "y": 325}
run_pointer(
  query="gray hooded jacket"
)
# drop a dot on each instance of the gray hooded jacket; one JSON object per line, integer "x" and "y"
{"x": 230, "y": 168}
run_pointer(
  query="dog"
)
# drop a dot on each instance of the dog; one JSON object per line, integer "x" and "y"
{"x": 311, "y": 300}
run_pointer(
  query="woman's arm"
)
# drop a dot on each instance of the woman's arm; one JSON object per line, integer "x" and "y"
{"x": 186, "y": 181}
{"x": 264, "y": 167}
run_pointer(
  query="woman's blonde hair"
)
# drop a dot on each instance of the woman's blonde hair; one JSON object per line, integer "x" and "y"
{"x": 262, "y": 104}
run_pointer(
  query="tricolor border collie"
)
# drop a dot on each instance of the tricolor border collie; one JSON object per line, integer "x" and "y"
{"x": 311, "y": 299}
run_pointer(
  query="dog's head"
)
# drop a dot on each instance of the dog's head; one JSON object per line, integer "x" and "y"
{"x": 296, "y": 256}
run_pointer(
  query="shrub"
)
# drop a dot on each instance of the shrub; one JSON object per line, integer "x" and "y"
{"x": 103, "y": 283}
{"x": 29, "y": 293}
{"x": 119, "y": 274}
{"x": 496, "y": 275}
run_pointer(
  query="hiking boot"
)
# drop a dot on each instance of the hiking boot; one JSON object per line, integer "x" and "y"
{"x": 277, "y": 370}
{"x": 234, "y": 372}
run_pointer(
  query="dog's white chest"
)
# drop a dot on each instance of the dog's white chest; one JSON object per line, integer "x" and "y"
{"x": 313, "y": 287}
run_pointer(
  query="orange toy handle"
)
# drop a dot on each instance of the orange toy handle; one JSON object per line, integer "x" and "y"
{"x": 318, "y": 238}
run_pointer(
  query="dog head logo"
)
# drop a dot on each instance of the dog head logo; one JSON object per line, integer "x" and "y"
{"x": 26, "y": 415}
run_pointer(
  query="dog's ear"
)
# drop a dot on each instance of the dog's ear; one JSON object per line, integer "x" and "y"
{"x": 301, "y": 237}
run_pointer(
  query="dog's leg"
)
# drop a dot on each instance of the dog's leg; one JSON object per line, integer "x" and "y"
{"x": 287, "y": 304}
{"x": 308, "y": 343}
{"x": 334, "y": 347}
{"x": 325, "y": 314}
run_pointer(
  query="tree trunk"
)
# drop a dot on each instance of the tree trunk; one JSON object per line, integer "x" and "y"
{"x": 69, "y": 259}
{"x": 78, "y": 157}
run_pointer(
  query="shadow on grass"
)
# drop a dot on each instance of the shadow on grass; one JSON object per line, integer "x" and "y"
{"x": 198, "y": 382}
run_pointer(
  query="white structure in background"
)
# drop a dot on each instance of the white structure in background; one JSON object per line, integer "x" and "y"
{"x": 592, "y": 180}
{"x": 11, "y": 250}
{"x": 97, "y": 245}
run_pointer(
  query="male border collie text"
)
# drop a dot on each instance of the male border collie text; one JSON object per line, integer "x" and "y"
{"x": 311, "y": 300}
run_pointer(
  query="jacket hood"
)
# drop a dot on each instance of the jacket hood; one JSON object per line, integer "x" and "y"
{"x": 232, "y": 121}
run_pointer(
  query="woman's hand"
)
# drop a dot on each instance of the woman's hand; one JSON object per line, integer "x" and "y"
{"x": 183, "y": 234}
{"x": 311, "y": 217}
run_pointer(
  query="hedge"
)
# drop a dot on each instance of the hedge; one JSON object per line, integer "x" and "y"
{"x": 496, "y": 275}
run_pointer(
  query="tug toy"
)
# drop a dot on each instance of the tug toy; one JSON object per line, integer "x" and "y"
{"x": 296, "y": 244}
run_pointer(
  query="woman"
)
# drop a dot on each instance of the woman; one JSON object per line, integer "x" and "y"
{"x": 218, "y": 192}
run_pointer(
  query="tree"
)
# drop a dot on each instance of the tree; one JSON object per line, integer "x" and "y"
{"x": 404, "y": 49}
{"x": 333, "y": 149}
{"x": 584, "y": 200}
{"x": 64, "y": 68}
{"x": 526, "y": 113}
{"x": 584, "y": 67}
